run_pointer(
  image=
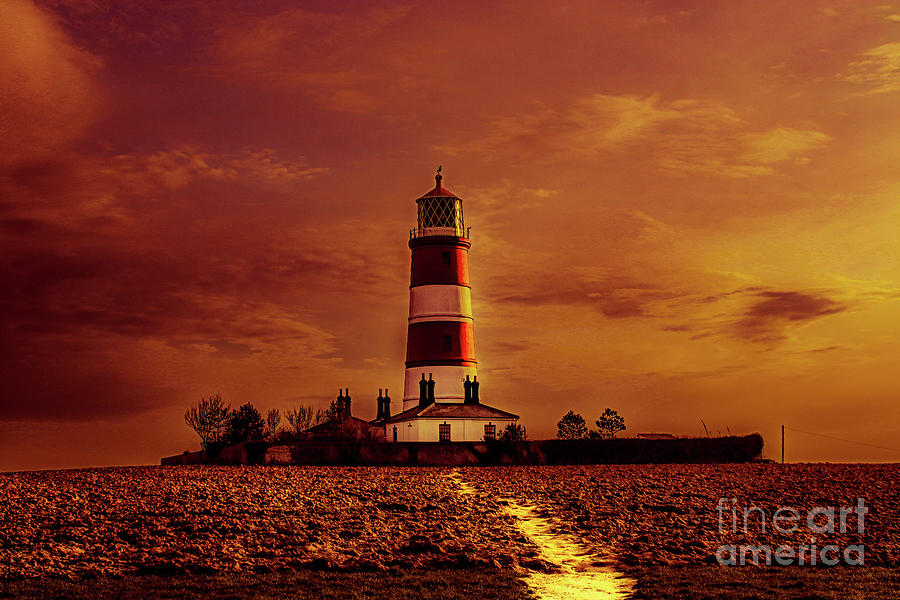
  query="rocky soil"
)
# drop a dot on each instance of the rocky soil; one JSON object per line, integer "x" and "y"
{"x": 667, "y": 514}
{"x": 147, "y": 520}
{"x": 144, "y": 520}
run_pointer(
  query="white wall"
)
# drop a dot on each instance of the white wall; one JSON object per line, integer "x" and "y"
{"x": 426, "y": 430}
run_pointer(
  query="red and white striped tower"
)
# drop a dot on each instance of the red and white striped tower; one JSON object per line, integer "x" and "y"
{"x": 440, "y": 342}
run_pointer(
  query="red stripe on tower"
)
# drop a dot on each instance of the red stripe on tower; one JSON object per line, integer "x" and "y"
{"x": 440, "y": 339}
{"x": 440, "y": 342}
{"x": 439, "y": 260}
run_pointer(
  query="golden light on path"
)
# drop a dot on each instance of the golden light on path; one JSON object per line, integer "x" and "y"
{"x": 578, "y": 573}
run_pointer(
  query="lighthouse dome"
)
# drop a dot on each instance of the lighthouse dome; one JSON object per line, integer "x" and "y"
{"x": 440, "y": 213}
{"x": 439, "y": 191}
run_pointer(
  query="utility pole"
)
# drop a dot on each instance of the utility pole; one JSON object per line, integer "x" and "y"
{"x": 782, "y": 444}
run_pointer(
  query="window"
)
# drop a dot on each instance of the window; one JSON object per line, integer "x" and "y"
{"x": 444, "y": 432}
{"x": 490, "y": 431}
{"x": 448, "y": 343}
{"x": 443, "y": 215}
{"x": 439, "y": 212}
{"x": 445, "y": 258}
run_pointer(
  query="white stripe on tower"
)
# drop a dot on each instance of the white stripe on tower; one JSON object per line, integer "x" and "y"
{"x": 440, "y": 302}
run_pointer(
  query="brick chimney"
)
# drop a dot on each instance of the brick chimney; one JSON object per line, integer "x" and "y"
{"x": 339, "y": 405}
{"x": 346, "y": 405}
{"x": 431, "y": 383}
{"x": 423, "y": 392}
{"x": 379, "y": 413}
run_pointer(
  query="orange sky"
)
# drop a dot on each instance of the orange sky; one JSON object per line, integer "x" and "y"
{"x": 678, "y": 210}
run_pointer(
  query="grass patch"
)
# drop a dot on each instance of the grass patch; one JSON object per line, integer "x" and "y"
{"x": 455, "y": 584}
{"x": 770, "y": 583}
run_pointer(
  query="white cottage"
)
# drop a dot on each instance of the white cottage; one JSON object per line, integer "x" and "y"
{"x": 430, "y": 421}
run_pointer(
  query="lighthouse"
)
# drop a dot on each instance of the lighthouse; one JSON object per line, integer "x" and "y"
{"x": 441, "y": 400}
{"x": 440, "y": 341}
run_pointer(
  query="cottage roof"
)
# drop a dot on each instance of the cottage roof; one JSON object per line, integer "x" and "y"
{"x": 451, "y": 410}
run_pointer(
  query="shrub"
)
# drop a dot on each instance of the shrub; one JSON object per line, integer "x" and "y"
{"x": 571, "y": 427}
{"x": 245, "y": 425}
{"x": 513, "y": 433}
{"x": 608, "y": 425}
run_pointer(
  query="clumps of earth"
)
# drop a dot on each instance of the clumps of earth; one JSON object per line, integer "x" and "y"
{"x": 201, "y": 520}
{"x": 668, "y": 514}
{"x": 179, "y": 520}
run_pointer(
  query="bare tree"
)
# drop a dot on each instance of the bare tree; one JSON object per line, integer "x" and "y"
{"x": 300, "y": 418}
{"x": 273, "y": 420}
{"x": 304, "y": 417}
{"x": 208, "y": 418}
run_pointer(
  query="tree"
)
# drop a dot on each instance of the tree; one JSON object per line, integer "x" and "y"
{"x": 333, "y": 411}
{"x": 571, "y": 427}
{"x": 299, "y": 419}
{"x": 273, "y": 420}
{"x": 513, "y": 433}
{"x": 608, "y": 425}
{"x": 208, "y": 418}
{"x": 245, "y": 425}
{"x": 302, "y": 418}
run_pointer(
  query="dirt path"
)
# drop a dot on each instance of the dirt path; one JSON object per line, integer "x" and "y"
{"x": 578, "y": 574}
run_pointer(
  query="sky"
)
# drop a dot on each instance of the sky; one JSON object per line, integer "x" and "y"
{"x": 684, "y": 211}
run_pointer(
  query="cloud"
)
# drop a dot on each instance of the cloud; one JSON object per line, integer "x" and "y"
{"x": 878, "y": 69}
{"x": 136, "y": 174}
{"x": 48, "y": 93}
{"x": 178, "y": 167}
{"x": 82, "y": 327}
{"x": 105, "y": 195}
{"x": 590, "y": 125}
{"x": 753, "y": 314}
{"x": 263, "y": 165}
{"x": 771, "y": 313}
{"x": 116, "y": 269}
{"x": 792, "y": 306}
{"x": 318, "y": 54}
{"x": 781, "y": 144}
{"x": 614, "y": 296}
{"x": 55, "y": 387}
{"x": 682, "y": 137}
